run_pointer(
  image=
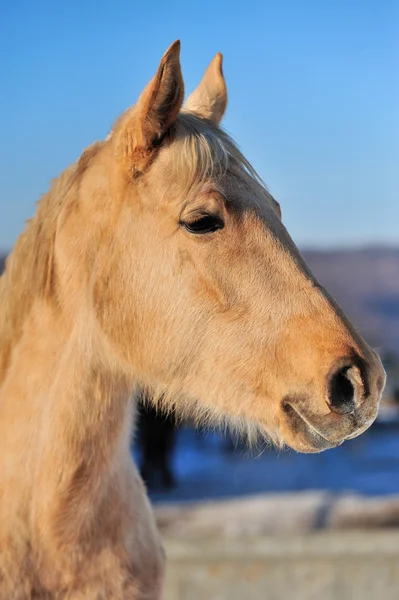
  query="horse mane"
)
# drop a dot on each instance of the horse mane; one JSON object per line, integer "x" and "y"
{"x": 29, "y": 271}
{"x": 206, "y": 150}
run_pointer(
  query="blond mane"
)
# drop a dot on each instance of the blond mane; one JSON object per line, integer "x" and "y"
{"x": 204, "y": 150}
{"x": 29, "y": 271}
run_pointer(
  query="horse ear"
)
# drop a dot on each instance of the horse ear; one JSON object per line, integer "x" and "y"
{"x": 209, "y": 99}
{"x": 141, "y": 129}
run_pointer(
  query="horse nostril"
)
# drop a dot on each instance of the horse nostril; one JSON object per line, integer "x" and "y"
{"x": 342, "y": 392}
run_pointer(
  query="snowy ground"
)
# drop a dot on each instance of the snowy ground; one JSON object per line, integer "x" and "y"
{"x": 204, "y": 469}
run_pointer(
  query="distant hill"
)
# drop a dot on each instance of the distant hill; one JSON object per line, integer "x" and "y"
{"x": 365, "y": 282}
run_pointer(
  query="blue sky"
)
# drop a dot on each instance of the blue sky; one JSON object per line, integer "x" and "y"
{"x": 313, "y": 98}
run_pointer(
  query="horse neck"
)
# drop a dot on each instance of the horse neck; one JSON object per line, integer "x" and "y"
{"x": 69, "y": 405}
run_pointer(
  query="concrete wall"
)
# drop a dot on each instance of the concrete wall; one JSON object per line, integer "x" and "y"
{"x": 329, "y": 565}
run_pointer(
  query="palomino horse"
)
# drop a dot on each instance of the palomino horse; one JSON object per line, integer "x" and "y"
{"x": 158, "y": 259}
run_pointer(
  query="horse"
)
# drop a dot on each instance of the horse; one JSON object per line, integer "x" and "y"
{"x": 158, "y": 259}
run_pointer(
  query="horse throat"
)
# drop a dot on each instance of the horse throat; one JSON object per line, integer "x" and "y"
{"x": 68, "y": 421}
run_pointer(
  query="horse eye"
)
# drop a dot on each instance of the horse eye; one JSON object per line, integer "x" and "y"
{"x": 205, "y": 224}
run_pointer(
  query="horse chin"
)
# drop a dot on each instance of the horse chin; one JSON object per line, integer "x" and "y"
{"x": 301, "y": 436}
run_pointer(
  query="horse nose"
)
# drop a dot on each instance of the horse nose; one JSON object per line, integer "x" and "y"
{"x": 342, "y": 393}
{"x": 355, "y": 380}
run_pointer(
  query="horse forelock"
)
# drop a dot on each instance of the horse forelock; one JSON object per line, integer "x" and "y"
{"x": 204, "y": 150}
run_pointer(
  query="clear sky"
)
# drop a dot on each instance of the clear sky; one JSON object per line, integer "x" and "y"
{"x": 313, "y": 98}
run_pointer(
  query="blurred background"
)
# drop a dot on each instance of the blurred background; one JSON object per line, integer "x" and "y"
{"x": 313, "y": 104}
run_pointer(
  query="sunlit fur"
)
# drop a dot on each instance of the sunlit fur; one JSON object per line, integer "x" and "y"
{"x": 106, "y": 291}
{"x": 203, "y": 152}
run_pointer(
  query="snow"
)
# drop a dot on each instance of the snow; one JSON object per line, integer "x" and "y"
{"x": 205, "y": 469}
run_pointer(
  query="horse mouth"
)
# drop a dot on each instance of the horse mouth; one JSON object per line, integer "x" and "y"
{"x": 304, "y": 437}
